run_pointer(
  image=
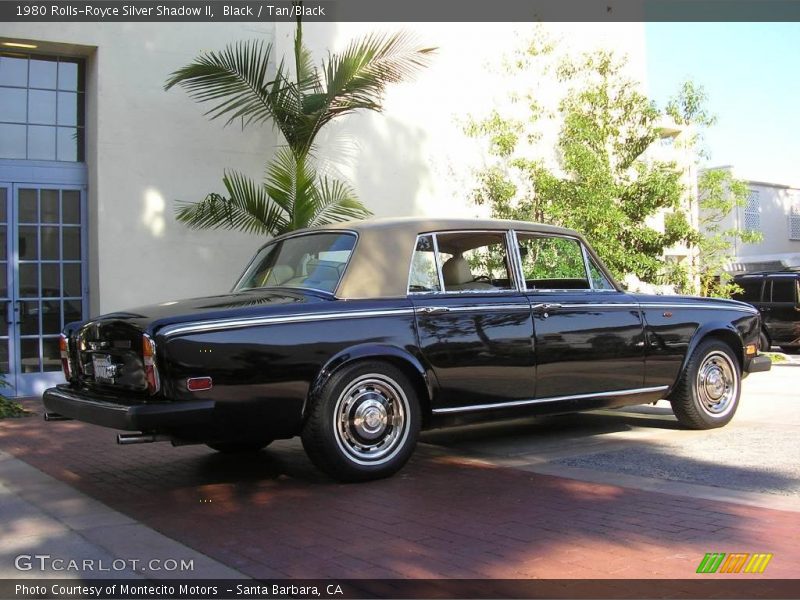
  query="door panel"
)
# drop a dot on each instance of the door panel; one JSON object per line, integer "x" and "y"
{"x": 587, "y": 342}
{"x": 479, "y": 347}
{"x": 782, "y": 314}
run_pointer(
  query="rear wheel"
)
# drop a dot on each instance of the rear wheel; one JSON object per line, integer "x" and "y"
{"x": 239, "y": 447}
{"x": 365, "y": 423}
{"x": 707, "y": 393}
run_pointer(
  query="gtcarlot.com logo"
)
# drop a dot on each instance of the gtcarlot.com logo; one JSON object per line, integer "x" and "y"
{"x": 736, "y": 562}
{"x": 46, "y": 562}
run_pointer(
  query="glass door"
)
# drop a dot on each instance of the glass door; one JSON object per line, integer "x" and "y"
{"x": 7, "y": 370}
{"x": 47, "y": 258}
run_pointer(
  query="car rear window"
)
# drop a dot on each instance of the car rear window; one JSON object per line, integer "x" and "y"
{"x": 312, "y": 261}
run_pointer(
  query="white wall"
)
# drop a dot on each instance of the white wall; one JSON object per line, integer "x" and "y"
{"x": 414, "y": 159}
{"x": 776, "y": 205}
{"x": 147, "y": 148}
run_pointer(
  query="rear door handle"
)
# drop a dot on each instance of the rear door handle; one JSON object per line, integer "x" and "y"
{"x": 433, "y": 310}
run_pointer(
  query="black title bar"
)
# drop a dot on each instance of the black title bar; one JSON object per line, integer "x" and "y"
{"x": 401, "y": 10}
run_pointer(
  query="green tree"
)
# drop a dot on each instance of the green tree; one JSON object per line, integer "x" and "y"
{"x": 603, "y": 184}
{"x": 718, "y": 194}
{"x": 238, "y": 85}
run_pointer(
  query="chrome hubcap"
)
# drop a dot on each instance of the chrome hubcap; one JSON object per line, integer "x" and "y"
{"x": 370, "y": 419}
{"x": 717, "y": 383}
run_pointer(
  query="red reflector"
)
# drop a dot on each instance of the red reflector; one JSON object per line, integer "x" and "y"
{"x": 198, "y": 384}
{"x": 65, "y": 362}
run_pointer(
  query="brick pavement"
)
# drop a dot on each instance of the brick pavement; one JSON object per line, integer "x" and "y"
{"x": 272, "y": 515}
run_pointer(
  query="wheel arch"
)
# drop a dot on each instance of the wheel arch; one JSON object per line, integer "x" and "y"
{"x": 724, "y": 332}
{"x": 419, "y": 376}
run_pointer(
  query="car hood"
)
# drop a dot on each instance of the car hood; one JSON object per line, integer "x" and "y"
{"x": 243, "y": 304}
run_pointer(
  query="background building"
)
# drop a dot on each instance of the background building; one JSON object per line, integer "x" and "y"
{"x": 773, "y": 210}
{"x": 94, "y": 154}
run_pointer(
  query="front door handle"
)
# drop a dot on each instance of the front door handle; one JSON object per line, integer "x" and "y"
{"x": 433, "y": 310}
{"x": 546, "y": 307}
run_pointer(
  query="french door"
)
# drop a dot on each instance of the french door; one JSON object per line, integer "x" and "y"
{"x": 42, "y": 280}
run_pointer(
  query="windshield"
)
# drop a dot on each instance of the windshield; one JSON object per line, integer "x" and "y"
{"x": 313, "y": 261}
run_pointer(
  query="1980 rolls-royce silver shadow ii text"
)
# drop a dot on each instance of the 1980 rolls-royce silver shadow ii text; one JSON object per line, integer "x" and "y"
{"x": 357, "y": 335}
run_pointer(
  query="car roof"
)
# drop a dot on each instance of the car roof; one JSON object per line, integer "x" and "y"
{"x": 379, "y": 265}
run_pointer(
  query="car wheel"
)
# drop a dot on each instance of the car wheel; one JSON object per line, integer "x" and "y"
{"x": 239, "y": 447}
{"x": 763, "y": 342}
{"x": 364, "y": 424}
{"x": 708, "y": 390}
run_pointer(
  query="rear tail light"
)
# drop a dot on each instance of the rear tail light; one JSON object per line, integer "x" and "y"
{"x": 150, "y": 371}
{"x": 66, "y": 363}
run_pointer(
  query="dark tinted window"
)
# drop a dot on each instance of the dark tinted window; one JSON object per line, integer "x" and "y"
{"x": 751, "y": 290}
{"x": 783, "y": 290}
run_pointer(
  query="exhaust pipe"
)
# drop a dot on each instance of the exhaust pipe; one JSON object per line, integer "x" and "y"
{"x": 123, "y": 439}
{"x": 56, "y": 417}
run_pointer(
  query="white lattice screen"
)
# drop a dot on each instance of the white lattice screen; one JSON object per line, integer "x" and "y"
{"x": 794, "y": 222}
{"x": 752, "y": 212}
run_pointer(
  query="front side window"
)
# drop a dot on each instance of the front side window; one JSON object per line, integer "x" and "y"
{"x": 315, "y": 261}
{"x": 553, "y": 263}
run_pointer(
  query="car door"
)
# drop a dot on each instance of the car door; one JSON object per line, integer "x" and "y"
{"x": 474, "y": 325}
{"x": 589, "y": 337}
{"x": 782, "y": 315}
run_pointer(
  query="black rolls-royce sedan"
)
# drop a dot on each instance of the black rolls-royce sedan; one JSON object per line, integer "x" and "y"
{"x": 356, "y": 336}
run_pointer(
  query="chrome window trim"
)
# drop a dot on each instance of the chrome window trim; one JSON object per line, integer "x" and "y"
{"x": 222, "y": 324}
{"x": 437, "y": 260}
{"x": 288, "y": 236}
{"x": 513, "y": 403}
{"x": 586, "y": 267}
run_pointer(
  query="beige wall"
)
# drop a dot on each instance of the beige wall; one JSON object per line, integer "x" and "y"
{"x": 776, "y": 204}
{"x": 145, "y": 149}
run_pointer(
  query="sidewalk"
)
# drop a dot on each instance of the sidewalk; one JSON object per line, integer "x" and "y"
{"x": 272, "y": 515}
{"x": 44, "y": 520}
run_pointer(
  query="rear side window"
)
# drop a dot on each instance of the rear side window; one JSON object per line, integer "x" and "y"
{"x": 751, "y": 290}
{"x": 784, "y": 290}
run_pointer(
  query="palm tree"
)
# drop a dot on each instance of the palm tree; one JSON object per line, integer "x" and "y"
{"x": 236, "y": 82}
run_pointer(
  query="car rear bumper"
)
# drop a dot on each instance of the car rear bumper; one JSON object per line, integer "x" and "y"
{"x": 65, "y": 401}
{"x": 758, "y": 364}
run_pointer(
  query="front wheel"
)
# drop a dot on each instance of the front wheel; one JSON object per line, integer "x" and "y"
{"x": 707, "y": 393}
{"x": 365, "y": 423}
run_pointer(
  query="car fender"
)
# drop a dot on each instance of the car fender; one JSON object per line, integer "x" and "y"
{"x": 722, "y": 329}
{"x": 369, "y": 351}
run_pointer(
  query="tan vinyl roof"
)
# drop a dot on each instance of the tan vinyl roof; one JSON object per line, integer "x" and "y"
{"x": 379, "y": 265}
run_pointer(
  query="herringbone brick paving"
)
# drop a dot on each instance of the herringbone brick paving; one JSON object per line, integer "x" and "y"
{"x": 272, "y": 515}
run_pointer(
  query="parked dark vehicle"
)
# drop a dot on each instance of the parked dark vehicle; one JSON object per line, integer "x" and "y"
{"x": 358, "y": 335}
{"x": 776, "y": 295}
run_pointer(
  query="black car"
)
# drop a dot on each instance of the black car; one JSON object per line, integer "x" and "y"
{"x": 776, "y": 295}
{"x": 356, "y": 336}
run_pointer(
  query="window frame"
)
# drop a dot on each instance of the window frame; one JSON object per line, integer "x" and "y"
{"x": 510, "y": 253}
{"x": 516, "y": 273}
{"x": 587, "y": 257}
{"x": 795, "y": 289}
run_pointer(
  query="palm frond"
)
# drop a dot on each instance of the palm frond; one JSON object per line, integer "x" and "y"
{"x": 290, "y": 183}
{"x": 235, "y": 81}
{"x": 335, "y": 201}
{"x": 248, "y": 207}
